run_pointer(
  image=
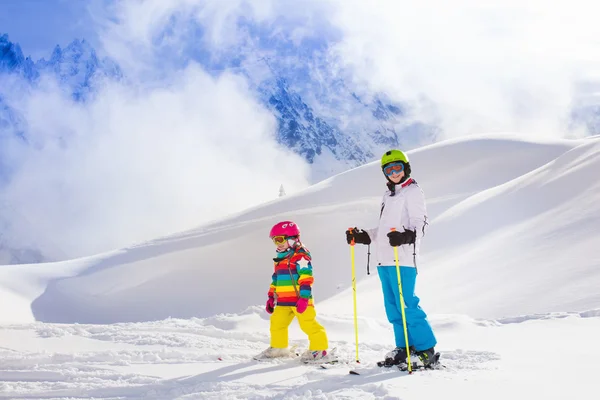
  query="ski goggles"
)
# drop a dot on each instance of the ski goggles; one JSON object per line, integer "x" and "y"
{"x": 393, "y": 168}
{"x": 279, "y": 239}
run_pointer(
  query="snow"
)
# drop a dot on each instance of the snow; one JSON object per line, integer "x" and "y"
{"x": 508, "y": 275}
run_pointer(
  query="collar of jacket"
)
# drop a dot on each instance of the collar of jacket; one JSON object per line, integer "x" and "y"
{"x": 406, "y": 183}
{"x": 284, "y": 255}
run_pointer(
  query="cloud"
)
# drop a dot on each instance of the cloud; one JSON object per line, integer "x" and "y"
{"x": 142, "y": 159}
{"x": 207, "y": 29}
{"x": 470, "y": 68}
{"x": 182, "y": 140}
{"x": 474, "y": 66}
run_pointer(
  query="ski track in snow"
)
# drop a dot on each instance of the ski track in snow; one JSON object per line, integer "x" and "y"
{"x": 101, "y": 374}
{"x": 139, "y": 354}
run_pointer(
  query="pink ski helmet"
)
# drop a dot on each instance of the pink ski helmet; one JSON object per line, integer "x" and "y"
{"x": 285, "y": 228}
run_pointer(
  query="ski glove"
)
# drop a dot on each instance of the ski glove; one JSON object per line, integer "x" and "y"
{"x": 270, "y": 307}
{"x": 358, "y": 235}
{"x": 301, "y": 305}
{"x": 400, "y": 238}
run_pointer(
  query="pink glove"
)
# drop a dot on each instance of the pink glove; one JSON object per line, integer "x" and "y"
{"x": 270, "y": 305}
{"x": 301, "y": 305}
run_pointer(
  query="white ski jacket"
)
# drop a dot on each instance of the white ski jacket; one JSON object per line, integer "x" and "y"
{"x": 405, "y": 210}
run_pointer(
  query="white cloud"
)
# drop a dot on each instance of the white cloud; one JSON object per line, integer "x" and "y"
{"x": 143, "y": 161}
{"x": 485, "y": 66}
{"x": 174, "y": 146}
{"x": 470, "y": 66}
{"x": 165, "y": 150}
{"x": 151, "y": 27}
{"x": 136, "y": 33}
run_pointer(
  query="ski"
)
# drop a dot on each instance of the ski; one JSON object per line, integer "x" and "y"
{"x": 329, "y": 364}
{"x": 435, "y": 365}
{"x": 329, "y": 360}
{"x": 293, "y": 355}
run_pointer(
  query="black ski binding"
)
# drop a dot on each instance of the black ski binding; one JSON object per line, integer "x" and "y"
{"x": 404, "y": 367}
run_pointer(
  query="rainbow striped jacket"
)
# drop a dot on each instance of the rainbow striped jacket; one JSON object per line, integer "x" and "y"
{"x": 292, "y": 278}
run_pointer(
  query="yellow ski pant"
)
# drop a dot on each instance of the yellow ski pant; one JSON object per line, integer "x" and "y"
{"x": 282, "y": 318}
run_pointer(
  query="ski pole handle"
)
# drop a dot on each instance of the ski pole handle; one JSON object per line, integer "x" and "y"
{"x": 351, "y": 230}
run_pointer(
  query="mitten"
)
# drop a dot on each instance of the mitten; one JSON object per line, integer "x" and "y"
{"x": 358, "y": 235}
{"x": 270, "y": 307}
{"x": 400, "y": 238}
{"x": 301, "y": 305}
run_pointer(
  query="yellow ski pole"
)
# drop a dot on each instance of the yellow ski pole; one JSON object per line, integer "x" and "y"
{"x": 354, "y": 295}
{"x": 402, "y": 307}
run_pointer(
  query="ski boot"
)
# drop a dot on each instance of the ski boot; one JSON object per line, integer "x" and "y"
{"x": 395, "y": 357}
{"x": 426, "y": 359}
{"x": 313, "y": 356}
{"x": 429, "y": 358}
{"x": 274, "y": 352}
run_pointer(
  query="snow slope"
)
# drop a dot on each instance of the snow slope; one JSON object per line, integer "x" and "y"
{"x": 508, "y": 275}
{"x": 495, "y": 204}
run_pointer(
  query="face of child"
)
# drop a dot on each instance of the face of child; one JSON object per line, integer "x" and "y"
{"x": 283, "y": 246}
{"x": 396, "y": 178}
{"x": 281, "y": 243}
{"x": 394, "y": 171}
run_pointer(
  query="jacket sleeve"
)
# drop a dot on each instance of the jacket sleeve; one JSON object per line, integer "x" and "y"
{"x": 372, "y": 234}
{"x": 417, "y": 211}
{"x": 273, "y": 285}
{"x": 305, "y": 276}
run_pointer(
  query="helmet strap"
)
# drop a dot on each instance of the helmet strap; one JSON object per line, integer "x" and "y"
{"x": 294, "y": 242}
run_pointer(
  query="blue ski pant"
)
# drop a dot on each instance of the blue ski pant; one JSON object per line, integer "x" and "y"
{"x": 420, "y": 334}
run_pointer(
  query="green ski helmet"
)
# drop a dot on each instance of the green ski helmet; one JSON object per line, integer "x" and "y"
{"x": 393, "y": 155}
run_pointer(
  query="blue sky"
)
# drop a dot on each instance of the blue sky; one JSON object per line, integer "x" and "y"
{"x": 39, "y": 25}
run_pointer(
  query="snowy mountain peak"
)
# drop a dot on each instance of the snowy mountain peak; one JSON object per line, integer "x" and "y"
{"x": 12, "y": 59}
{"x": 73, "y": 53}
{"x": 76, "y": 66}
{"x": 304, "y": 132}
{"x": 11, "y": 56}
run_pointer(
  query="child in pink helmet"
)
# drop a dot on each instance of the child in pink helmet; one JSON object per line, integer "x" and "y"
{"x": 290, "y": 295}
